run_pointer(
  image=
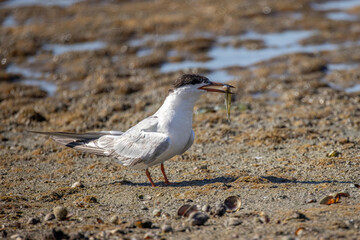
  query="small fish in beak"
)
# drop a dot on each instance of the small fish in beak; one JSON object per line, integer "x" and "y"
{"x": 228, "y": 100}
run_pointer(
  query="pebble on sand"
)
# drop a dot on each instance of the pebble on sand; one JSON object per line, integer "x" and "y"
{"x": 166, "y": 228}
{"x": 114, "y": 219}
{"x": 60, "y": 212}
{"x": 156, "y": 212}
{"x": 198, "y": 218}
{"x": 33, "y": 221}
{"x": 49, "y": 217}
{"x": 77, "y": 185}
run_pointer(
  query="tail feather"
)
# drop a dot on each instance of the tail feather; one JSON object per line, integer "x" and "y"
{"x": 81, "y": 141}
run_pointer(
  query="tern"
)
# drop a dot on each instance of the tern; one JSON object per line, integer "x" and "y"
{"x": 157, "y": 138}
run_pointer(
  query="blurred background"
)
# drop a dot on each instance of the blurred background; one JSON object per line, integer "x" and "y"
{"x": 81, "y": 62}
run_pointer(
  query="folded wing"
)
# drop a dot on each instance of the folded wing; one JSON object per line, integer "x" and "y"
{"x": 135, "y": 149}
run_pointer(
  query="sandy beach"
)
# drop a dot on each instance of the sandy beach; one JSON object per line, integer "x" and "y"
{"x": 83, "y": 66}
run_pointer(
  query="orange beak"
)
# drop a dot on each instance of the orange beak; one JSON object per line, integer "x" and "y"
{"x": 215, "y": 87}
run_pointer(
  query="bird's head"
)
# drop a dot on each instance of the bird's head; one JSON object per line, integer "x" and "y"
{"x": 199, "y": 84}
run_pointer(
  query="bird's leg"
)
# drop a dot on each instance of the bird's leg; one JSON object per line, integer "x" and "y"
{"x": 164, "y": 174}
{"x": 149, "y": 177}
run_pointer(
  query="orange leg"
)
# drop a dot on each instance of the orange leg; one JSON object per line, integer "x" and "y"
{"x": 163, "y": 172}
{"x": 149, "y": 177}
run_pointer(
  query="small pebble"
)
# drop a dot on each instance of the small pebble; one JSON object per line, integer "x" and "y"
{"x": 205, "y": 208}
{"x": 310, "y": 200}
{"x": 144, "y": 208}
{"x": 77, "y": 185}
{"x": 60, "y": 212}
{"x": 156, "y": 212}
{"x": 16, "y": 237}
{"x": 165, "y": 215}
{"x": 149, "y": 235}
{"x": 166, "y": 228}
{"x": 114, "y": 219}
{"x": 233, "y": 222}
{"x": 143, "y": 223}
{"x": 33, "y": 221}
{"x": 49, "y": 217}
{"x": 198, "y": 218}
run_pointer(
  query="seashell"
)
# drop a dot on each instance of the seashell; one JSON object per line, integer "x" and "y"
{"x": 198, "y": 218}
{"x": 186, "y": 210}
{"x": 232, "y": 203}
{"x": 333, "y": 154}
{"x": 218, "y": 210}
{"x": 77, "y": 185}
{"x": 156, "y": 213}
{"x": 334, "y": 198}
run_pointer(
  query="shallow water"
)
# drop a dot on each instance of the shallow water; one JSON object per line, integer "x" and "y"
{"x": 353, "y": 89}
{"x": 339, "y": 5}
{"x": 231, "y": 56}
{"x": 220, "y": 76}
{"x": 277, "y": 43}
{"x": 48, "y": 87}
{"x": 144, "y": 52}
{"x": 341, "y": 16}
{"x": 9, "y": 21}
{"x": 25, "y": 72}
{"x": 32, "y": 78}
{"x": 59, "y": 49}
{"x": 22, "y": 3}
{"x": 341, "y": 66}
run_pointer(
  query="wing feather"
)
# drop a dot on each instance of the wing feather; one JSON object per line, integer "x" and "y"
{"x": 81, "y": 141}
{"x": 139, "y": 147}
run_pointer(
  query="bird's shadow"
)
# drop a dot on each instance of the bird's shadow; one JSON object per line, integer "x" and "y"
{"x": 224, "y": 180}
{"x": 273, "y": 179}
{"x": 197, "y": 183}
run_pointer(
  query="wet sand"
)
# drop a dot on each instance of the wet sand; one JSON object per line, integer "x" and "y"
{"x": 99, "y": 65}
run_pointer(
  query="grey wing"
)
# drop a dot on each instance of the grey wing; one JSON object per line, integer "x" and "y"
{"x": 82, "y": 141}
{"x": 189, "y": 143}
{"x": 136, "y": 148}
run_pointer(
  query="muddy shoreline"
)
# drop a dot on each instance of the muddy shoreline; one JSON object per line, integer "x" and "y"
{"x": 100, "y": 65}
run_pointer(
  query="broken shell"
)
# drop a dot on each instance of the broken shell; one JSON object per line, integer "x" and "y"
{"x": 186, "y": 210}
{"x": 334, "y": 198}
{"x": 327, "y": 200}
{"x": 156, "y": 213}
{"x": 232, "y": 203}
{"x": 342, "y": 194}
{"x": 77, "y": 185}
{"x": 333, "y": 154}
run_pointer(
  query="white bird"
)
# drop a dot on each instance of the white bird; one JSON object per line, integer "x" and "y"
{"x": 157, "y": 138}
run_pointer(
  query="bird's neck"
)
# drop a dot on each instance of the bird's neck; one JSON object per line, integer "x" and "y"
{"x": 179, "y": 101}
